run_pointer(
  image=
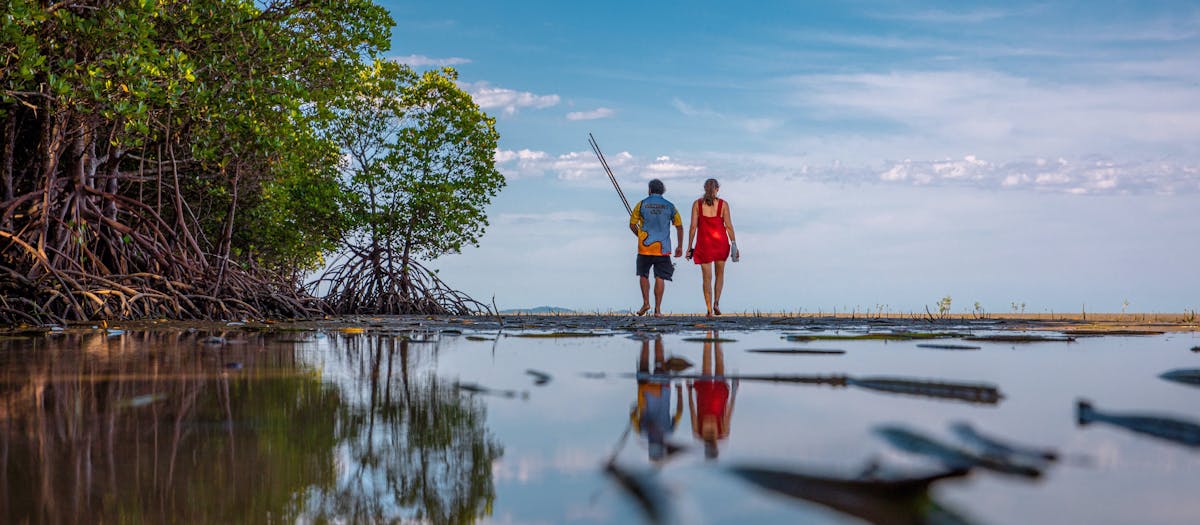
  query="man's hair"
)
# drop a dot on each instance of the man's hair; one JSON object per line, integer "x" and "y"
{"x": 657, "y": 187}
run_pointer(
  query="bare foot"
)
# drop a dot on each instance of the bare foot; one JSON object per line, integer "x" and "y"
{"x": 657, "y": 313}
{"x": 716, "y": 310}
{"x": 645, "y": 308}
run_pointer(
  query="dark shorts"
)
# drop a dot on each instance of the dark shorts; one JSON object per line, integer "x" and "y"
{"x": 663, "y": 267}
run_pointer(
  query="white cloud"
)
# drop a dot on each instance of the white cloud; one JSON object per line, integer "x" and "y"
{"x": 507, "y": 100}
{"x": 1082, "y": 176}
{"x": 664, "y": 168}
{"x": 422, "y": 61}
{"x": 1092, "y": 175}
{"x": 597, "y": 113}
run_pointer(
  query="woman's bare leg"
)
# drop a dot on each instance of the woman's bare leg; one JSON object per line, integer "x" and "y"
{"x": 706, "y": 285}
{"x": 706, "y": 361}
{"x": 718, "y": 284}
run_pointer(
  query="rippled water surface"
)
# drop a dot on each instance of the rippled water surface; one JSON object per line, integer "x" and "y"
{"x": 374, "y": 424}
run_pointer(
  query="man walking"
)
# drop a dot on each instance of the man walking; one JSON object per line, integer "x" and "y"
{"x": 651, "y": 222}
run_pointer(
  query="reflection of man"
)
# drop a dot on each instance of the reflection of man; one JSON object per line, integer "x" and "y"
{"x": 651, "y": 221}
{"x": 652, "y": 414}
{"x": 710, "y": 404}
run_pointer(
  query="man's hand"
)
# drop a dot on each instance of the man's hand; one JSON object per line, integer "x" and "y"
{"x": 678, "y": 252}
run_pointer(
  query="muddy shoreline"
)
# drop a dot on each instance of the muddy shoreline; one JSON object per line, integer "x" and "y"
{"x": 566, "y": 325}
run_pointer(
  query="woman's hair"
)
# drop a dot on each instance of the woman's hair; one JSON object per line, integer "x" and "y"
{"x": 710, "y": 191}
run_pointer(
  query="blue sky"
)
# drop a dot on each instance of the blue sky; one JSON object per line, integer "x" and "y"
{"x": 873, "y": 153}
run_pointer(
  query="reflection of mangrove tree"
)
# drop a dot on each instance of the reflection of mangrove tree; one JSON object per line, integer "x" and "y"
{"x": 153, "y": 428}
{"x": 420, "y": 448}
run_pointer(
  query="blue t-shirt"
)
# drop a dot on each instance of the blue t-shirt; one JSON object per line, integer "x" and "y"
{"x": 654, "y": 217}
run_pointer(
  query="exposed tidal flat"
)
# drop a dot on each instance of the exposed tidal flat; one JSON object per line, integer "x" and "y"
{"x": 604, "y": 419}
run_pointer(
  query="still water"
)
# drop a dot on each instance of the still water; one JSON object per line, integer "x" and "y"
{"x": 326, "y": 425}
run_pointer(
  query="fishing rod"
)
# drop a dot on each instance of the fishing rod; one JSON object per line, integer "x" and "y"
{"x": 611, "y": 177}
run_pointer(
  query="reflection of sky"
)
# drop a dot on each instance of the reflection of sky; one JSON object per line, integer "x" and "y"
{"x": 556, "y": 441}
{"x": 873, "y": 152}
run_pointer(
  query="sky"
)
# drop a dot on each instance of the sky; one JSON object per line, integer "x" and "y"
{"x": 875, "y": 155}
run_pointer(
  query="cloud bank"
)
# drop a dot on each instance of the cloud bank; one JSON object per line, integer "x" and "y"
{"x": 594, "y": 114}
{"x": 507, "y": 100}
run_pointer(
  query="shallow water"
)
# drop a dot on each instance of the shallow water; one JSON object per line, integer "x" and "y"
{"x": 328, "y": 425}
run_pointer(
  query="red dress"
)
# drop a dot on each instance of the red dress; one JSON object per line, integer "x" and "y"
{"x": 712, "y": 241}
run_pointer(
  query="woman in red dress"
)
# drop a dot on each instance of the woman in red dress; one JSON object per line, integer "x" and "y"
{"x": 710, "y": 217}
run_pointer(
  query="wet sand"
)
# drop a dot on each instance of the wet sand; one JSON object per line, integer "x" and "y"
{"x": 580, "y": 325}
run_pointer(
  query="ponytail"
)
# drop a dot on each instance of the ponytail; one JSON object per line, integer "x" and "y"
{"x": 710, "y": 191}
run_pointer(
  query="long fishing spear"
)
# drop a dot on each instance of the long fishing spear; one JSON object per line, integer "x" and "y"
{"x": 611, "y": 177}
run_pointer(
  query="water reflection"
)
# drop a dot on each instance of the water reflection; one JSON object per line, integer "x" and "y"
{"x": 710, "y": 403}
{"x": 651, "y": 415}
{"x": 899, "y": 501}
{"x": 1175, "y": 430}
{"x": 153, "y": 427}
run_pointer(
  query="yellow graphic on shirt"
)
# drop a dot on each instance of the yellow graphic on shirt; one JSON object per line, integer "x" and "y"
{"x": 654, "y": 232}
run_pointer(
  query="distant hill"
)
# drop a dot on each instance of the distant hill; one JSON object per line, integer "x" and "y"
{"x": 538, "y": 310}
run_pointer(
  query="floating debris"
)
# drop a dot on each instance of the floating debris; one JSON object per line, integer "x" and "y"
{"x": 479, "y": 338}
{"x": 561, "y": 334}
{"x": 233, "y": 365}
{"x": 676, "y": 364}
{"x": 878, "y": 336}
{"x": 353, "y": 330}
{"x": 950, "y": 456}
{"x": 947, "y": 347}
{"x": 1187, "y": 376}
{"x": 113, "y": 332}
{"x": 902, "y": 500}
{"x": 478, "y": 389}
{"x": 539, "y": 378}
{"x": 992, "y": 447}
{"x": 709, "y": 340}
{"x": 1169, "y": 428}
{"x": 644, "y": 336}
{"x": 1196, "y": 349}
{"x": 1102, "y": 332}
{"x": 235, "y": 323}
{"x": 451, "y": 331}
{"x": 212, "y": 340}
{"x": 594, "y": 375}
{"x": 797, "y": 351}
{"x": 1010, "y": 338}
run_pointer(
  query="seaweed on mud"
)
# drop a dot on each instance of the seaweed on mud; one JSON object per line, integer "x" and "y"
{"x": 1102, "y": 332}
{"x": 797, "y": 351}
{"x": 553, "y": 335}
{"x": 947, "y": 347}
{"x": 878, "y": 336}
{"x": 1020, "y": 338}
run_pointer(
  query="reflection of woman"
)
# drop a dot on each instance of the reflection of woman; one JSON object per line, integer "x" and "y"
{"x": 710, "y": 402}
{"x": 710, "y": 218}
{"x": 652, "y": 414}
